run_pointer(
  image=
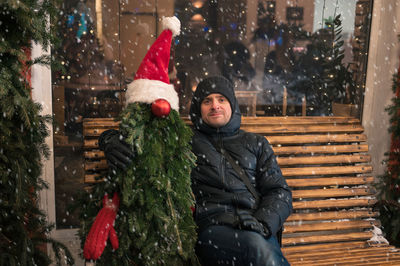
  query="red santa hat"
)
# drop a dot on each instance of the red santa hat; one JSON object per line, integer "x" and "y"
{"x": 151, "y": 81}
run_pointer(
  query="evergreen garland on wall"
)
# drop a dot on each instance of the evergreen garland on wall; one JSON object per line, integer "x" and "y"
{"x": 24, "y": 230}
{"x": 389, "y": 185}
{"x": 154, "y": 223}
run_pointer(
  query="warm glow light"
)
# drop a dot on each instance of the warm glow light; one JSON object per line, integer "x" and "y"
{"x": 198, "y": 4}
{"x": 197, "y": 18}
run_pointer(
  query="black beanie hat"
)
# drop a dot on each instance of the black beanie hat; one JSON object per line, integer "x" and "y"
{"x": 217, "y": 84}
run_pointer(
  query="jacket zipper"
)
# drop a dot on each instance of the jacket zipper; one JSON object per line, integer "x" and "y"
{"x": 222, "y": 168}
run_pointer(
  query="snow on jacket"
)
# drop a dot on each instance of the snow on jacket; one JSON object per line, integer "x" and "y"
{"x": 218, "y": 189}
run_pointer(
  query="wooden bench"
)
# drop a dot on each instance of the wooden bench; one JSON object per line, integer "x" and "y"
{"x": 326, "y": 163}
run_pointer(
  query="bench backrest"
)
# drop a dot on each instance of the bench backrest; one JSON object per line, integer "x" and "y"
{"x": 95, "y": 162}
{"x": 324, "y": 160}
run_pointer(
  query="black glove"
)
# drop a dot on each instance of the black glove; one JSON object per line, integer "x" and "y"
{"x": 118, "y": 153}
{"x": 248, "y": 222}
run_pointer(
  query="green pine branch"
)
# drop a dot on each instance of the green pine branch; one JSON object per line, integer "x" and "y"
{"x": 389, "y": 185}
{"x": 24, "y": 229}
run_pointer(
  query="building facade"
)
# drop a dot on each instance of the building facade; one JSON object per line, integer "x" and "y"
{"x": 237, "y": 39}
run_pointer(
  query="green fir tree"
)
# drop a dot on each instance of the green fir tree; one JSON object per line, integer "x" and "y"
{"x": 331, "y": 80}
{"x": 154, "y": 223}
{"x": 340, "y": 85}
{"x": 389, "y": 185}
{"x": 24, "y": 231}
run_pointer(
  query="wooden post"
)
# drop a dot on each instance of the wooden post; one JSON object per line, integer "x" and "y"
{"x": 284, "y": 104}
{"x": 304, "y": 106}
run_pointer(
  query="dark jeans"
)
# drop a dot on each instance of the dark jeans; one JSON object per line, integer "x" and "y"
{"x": 224, "y": 245}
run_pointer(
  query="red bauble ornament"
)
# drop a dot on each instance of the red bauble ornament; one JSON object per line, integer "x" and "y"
{"x": 161, "y": 108}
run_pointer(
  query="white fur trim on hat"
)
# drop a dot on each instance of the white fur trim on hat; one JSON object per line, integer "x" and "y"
{"x": 173, "y": 24}
{"x": 147, "y": 91}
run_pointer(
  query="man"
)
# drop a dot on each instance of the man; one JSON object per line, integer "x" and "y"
{"x": 234, "y": 227}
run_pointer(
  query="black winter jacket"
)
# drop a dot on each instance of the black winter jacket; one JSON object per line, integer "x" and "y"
{"x": 218, "y": 189}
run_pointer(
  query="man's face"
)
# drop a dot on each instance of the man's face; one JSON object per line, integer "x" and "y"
{"x": 216, "y": 110}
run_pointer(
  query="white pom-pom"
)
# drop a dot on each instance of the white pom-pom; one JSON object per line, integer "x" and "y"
{"x": 173, "y": 24}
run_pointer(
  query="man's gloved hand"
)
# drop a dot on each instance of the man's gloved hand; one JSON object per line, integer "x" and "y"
{"x": 248, "y": 222}
{"x": 118, "y": 153}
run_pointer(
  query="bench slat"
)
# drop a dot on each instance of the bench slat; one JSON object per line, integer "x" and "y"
{"x": 367, "y": 259}
{"x": 91, "y": 143}
{"x": 308, "y": 249}
{"x": 295, "y": 120}
{"x": 384, "y": 260}
{"x": 307, "y": 160}
{"x": 92, "y": 178}
{"x": 283, "y": 161}
{"x": 300, "y": 255}
{"x": 329, "y": 181}
{"x": 309, "y": 171}
{"x": 330, "y": 193}
{"x": 332, "y": 215}
{"x": 364, "y": 258}
{"x": 106, "y": 124}
{"x": 334, "y": 203}
{"x": 302, "y": 139}
{"x": 326, "y": 170}
{"x": 325, "y": 252}
{"x": 291, "y": 150}
{"x": 290, "y": 128}
{"x": 94, "y": 154}
{"x": 270, "y": 120}
{"x": 326, "y": 238}
{"x": 333, "y": 252}
{"x": 262, "y": 125}
{"x": 330, "y": 226}
{"x": 95, "y": 132}
{"x": 98, "y": 165}
{"x": 306, "y": 171}
{"x": 94, "y": 120}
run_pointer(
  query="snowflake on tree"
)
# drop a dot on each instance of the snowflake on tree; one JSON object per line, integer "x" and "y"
{"x": 145, "y": 211}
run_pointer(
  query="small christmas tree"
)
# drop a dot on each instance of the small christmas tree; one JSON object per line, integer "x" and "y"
{"x": 338, "y": 77}
{"x": 330, "y": 79}
{"x": 154, "y": 223}
{"x": 24, "y": 230}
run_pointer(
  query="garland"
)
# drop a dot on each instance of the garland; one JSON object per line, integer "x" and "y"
{"x": 389, "y": 187}
{"x": 24, "y": 231}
